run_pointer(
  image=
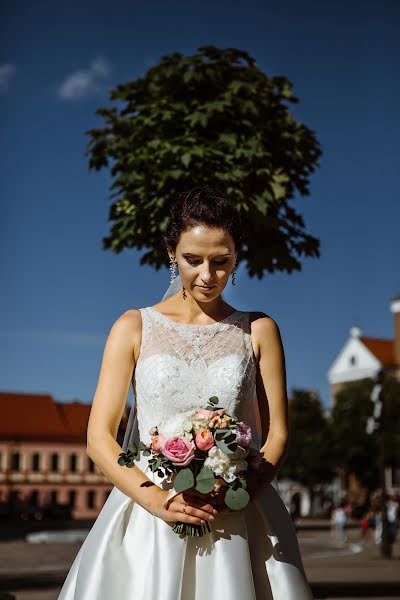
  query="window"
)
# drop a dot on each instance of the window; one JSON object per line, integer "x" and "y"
{"x": 53, "y": 496}
{"x": 353, "y": 360}
{"x": 15, "y": 461}
{"x": 106, "y": 494}
{"x": 34, "y": 497}
{"x": 36, "y": 461}
{"x": 73, "y": 463}
{"x": 71, "y": 498}
{"x": 90, "y": 465}
{"x": 54, "y": 461}
{"x": 90, "y": 499}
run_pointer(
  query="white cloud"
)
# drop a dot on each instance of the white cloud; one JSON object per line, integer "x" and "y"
{"x": 85, "y": 82}
{"x": 101, "y": 67}
{"x": 6, "y": 72}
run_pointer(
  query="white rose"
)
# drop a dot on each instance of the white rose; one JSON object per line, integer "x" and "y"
{"x": 172, "y": 426}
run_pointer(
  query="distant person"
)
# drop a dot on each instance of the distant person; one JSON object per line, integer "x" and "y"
{"x": 392, "y": 508}
{"x": 364, "y": 526}
{"x": 378, "y": 526}
{"x": 367, "y": 525}
{"x": 338, "y": 520}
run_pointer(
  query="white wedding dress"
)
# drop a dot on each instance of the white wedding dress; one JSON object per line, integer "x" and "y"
{"x": 129, "y": 554}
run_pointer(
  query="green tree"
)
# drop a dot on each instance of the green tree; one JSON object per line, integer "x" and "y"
{"x": 389, "y": 423}
{"x": 353, "y": 448}
{"x": 216, "y": 118}
{"x": 309, "y": 456}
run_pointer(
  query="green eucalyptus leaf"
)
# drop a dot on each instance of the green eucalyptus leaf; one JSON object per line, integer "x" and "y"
{"x": 205, "y": 480}
{"x": 222, "y": 433}
{"x": 236, "y": 499}
{"x": 184, "y": 480}
{"x": 224, "y": 447}
{"x": 213, "y": 400}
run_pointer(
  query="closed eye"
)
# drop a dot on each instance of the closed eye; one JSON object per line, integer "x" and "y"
{"x": 194, "y": 263}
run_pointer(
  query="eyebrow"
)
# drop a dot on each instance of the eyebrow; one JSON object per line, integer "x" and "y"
{"x": 198, "y": 256}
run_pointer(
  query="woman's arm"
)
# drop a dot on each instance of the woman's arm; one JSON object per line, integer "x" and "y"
{"x": 272, "y": 395}
{"x": 107, "y": 407}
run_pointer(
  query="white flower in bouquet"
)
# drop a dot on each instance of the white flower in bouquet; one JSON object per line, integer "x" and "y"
{"x": 227, "y": 466}
{"x": 176, "y": 425}
{"x": 217, "y": 460}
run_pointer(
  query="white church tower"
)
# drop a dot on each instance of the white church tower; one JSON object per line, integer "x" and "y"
{"x": 363, "y": 357}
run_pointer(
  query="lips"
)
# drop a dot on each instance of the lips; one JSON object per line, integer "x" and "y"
{"x": 203, "y": 287}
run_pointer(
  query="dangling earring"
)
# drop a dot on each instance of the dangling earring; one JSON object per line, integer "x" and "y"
{"x": 234, "y": 273}
{"x": 183, "y": 293}
{"x": 172, "y": 268}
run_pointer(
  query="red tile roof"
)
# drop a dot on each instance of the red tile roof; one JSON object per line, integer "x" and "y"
{"x": 38, "y": 417}
{"x": 382, "y": 349}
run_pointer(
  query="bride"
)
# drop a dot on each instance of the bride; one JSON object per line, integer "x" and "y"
{"x": 178, "y": 353}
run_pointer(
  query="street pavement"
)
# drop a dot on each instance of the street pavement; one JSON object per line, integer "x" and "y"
{"x": 334, "y": 569}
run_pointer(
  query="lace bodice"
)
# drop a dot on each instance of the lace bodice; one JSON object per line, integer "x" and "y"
{"x": 181, "y": 365}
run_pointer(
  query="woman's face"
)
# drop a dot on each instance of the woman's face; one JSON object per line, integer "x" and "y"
{"x": 205, "y": 257}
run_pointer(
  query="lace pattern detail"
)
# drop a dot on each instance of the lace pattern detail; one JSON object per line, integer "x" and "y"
{"x": 181, "y": 365}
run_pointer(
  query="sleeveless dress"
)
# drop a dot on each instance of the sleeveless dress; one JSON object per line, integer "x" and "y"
{"x": 250, "y": 554}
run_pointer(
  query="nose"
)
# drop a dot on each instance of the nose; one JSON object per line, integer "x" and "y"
{"x": 206, "y": 275}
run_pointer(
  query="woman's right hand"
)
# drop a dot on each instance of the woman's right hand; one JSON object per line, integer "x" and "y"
{"x": 198, "y": 507}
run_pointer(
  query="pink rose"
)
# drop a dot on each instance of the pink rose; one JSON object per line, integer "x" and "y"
{"x": 203, "y": 413}
{"x": 204, "y": 439}
{"x": 157, "y": 442}
{"x": 243, "y": 434}
{"x": 179, "y": 450}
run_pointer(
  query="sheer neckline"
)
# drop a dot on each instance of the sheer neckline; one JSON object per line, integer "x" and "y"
{"x": 216, "y": 324}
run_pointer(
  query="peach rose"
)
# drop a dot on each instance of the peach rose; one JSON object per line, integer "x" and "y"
{"x": 204, "y": 439}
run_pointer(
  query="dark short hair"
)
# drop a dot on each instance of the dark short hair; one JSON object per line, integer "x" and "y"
{"x": 203, "y": 205}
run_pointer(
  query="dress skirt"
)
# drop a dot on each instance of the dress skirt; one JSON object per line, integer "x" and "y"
{"x": 129, "y": 554}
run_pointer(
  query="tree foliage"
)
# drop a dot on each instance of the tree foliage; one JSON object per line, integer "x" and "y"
{"x": 309, "y": 458}
{"x": 353, "y": 448}
{"x": 216, "y": 118}
{"x": 391, "y": 419}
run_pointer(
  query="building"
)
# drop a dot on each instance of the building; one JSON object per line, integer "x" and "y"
{"x": 363, "y": 357}
{"x": 43, "y": 457}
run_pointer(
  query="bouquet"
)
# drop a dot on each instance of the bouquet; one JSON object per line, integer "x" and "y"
{"x": 205, "y": 450}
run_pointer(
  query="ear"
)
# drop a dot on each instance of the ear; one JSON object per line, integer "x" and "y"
{"x": 170, "y": 253}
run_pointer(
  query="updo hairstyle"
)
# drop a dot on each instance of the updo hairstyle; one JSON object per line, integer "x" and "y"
{"x": 207, "y": 206}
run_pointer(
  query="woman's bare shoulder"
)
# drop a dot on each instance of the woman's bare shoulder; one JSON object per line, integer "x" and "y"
{"x": 129, "y": 320}
{"x": 261, "y": 321}
{"x": 128, "y": 327}
{"x": 263, "y": 329}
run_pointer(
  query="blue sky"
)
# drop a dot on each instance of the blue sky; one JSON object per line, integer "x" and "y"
{"x": 61, "y": 292}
